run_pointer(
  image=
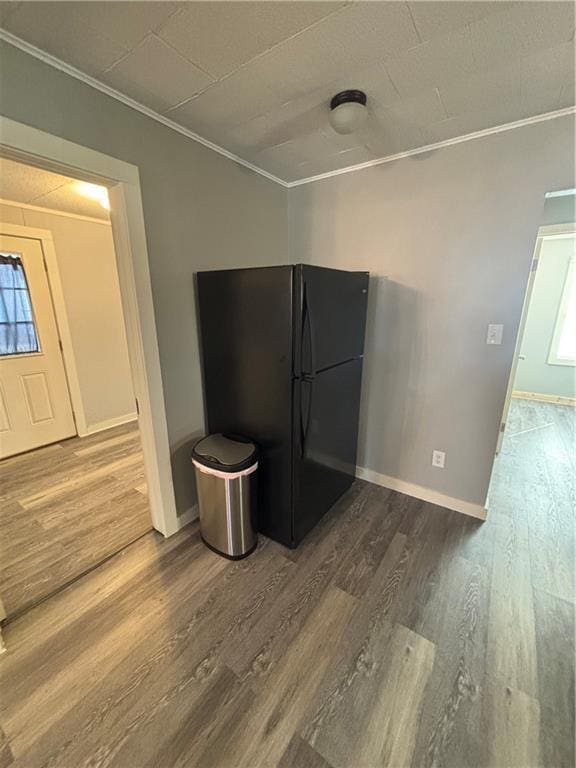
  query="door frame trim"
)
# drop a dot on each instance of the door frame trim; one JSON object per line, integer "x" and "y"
{"x": 29, "y": 145}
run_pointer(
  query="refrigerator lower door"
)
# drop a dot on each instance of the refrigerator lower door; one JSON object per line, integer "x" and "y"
{"x": 326, "y": 411}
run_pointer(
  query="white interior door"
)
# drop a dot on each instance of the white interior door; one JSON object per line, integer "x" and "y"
{"x": 35, "y": 406}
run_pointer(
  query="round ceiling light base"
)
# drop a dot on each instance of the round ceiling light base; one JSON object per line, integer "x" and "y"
{"x": 348, "y": 111}
{"x": 347, "y": 97}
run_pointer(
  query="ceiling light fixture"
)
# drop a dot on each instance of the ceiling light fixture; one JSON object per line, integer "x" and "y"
{"x": 348, "y": 111}
{"x": 94, "y": 192}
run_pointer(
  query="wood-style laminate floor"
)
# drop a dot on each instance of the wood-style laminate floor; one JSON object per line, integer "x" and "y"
{"x": 399, "y": 634}
{"x": 67, "y": 507}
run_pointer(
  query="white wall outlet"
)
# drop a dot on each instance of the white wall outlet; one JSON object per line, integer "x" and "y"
{"x": 438, "y": 459}
{"x": 495, "y": 332}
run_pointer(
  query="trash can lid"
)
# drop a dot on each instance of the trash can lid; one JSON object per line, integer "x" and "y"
{"x": 229, "y": 453}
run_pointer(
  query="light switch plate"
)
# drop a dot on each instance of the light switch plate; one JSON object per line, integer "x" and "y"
{"x": 495, "y": 333}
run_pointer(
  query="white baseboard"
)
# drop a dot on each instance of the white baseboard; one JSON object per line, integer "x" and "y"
{"x": 100, "y": 426}
{"x": 410, "y": 489}
{"x": 188, "y": 516}
{"x": 541, "y": 398}
{"x": 420, "y": 492}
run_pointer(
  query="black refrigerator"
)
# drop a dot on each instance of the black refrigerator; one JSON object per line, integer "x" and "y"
{"x": 282, "y": 351}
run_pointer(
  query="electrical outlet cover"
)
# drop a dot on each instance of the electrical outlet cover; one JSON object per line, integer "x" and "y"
{"x": 438, "y": 459}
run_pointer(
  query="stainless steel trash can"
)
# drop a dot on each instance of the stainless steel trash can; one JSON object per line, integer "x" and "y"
{"x": 225, "y": 467}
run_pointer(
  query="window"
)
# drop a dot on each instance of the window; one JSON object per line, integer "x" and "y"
{"x": 563, "y": 348}
{"x": 17, "y": 329}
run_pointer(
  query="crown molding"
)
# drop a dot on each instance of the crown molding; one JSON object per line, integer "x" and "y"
{"x": 53, "y": 61}
{"x": 561, "y": 193}
{"x": 438, "y": 145}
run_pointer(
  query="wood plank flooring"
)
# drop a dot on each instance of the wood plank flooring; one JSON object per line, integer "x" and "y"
{"x": 399, "y": 634}
{"x": 67, "y": 507}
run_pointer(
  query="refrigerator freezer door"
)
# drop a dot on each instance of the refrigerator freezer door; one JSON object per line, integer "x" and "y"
{"x": 326, "y": 412}
{"x": 331, "y": 317}
{"x": 246, "y": 333}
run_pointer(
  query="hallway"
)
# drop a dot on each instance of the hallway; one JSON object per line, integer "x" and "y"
{"x": 534, "y": 484}
{"x": 67, "y": 507}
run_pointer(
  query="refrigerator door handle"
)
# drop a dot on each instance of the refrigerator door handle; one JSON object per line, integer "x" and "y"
{"x": 305, "y": 422}
{"x": 307, "y": 323}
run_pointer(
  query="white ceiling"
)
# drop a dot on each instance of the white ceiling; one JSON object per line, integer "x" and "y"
{"x": 21, "y": 183}
{"x": 256, "y": 77}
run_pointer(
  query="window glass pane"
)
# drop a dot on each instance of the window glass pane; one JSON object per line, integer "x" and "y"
{"x": 567, "y": 342}
{"x": 17, "y": 329}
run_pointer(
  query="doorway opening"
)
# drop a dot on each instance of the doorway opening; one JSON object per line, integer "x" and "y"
{"x": 533, "y": 473}
{"x": 75, "y": 163}
{"x": 71, "y": 463}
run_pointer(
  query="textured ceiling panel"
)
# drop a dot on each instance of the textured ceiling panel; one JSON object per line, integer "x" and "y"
{"x": 475, "y": 120}
{"x": 521, "y": 32}
{"x": 303, "y": 149}
{"x": 25, "y": 184}
{"x": 157, "y": 75}
{"x": 481, "y": 91}
{"x": 257, "y": 77}
{"x": 238, "y": 98}
{"x": 384, "y": 138}
{"x": 333, "y": 51}
{"x": 68, "y": 199}
{"x": 221, "y": 36}
{"x": 6, "y": 10}
{"x": 127, "y": 23}
{"x": 433, "y": 63}
{"x": 434, "y": 19}
{"x": 530, "y": 86}
{"x": 293, "y": 120}
{"x": 420, "y": 110}
{"x": 353, "y": 156}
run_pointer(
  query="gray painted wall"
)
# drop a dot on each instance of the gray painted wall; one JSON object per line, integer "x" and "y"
{"x": 201, "y": 210}
{"x": 535, "y": 373}
{"x": 448, "y": 237}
